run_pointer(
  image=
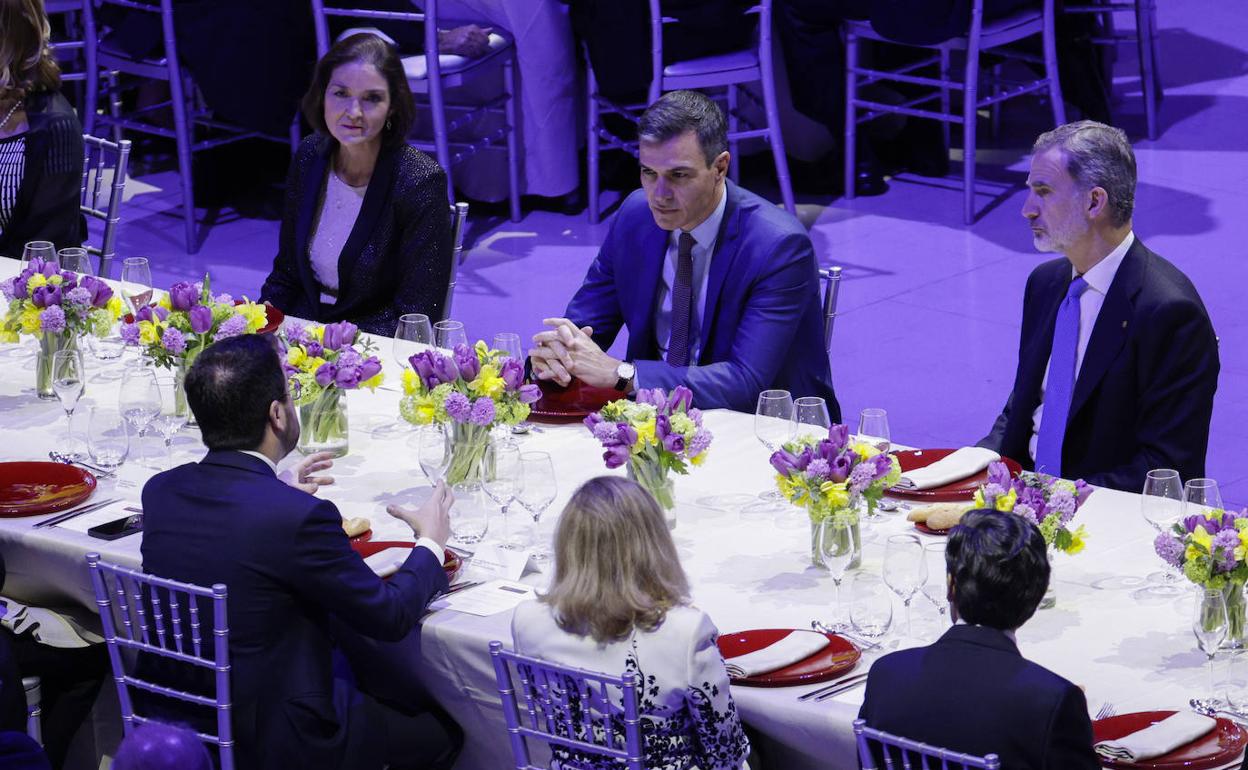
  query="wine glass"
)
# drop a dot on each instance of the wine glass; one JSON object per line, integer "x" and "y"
{"x": 905, "y": 569}
{"x": 1200, "y": 493}
{"x": 1210, "y": 624}
{"x": 412, "y": 332}
{"x": 68, "y": 380}
{"x": 837, "y": 543}
{"x": 870, "y": 607}
{"x": 139, "y": 401}
{"x": 536, "y": 493}
{"x": 936, "y": 589}
{"x": 136, "y": 282}
{"x": 470, "y": 515}
{"x": 873, "y": 428}
{"x": 810, "y": 416}
{"x": 1161, "y": 505}
{"x": 509, "y": 344}
{"x": 168, "y": 422}
{"x": 41, "y": 250}
{"x": 448, "y": 334}
{"x": 76, "y": 260}
{"x": 500, "y": 471}
{"x": 108, "y": 438}
{"x": 433, "y": 451}
{"x": 773, "y": 426}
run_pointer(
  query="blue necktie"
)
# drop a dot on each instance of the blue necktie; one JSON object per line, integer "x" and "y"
{"x": 1061, "y": 385}
{"x": 682, "y": 303}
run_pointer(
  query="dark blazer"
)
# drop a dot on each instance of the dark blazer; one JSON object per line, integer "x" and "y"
{"x": 1144, "y": 395}
{"x": 287, "y": 563}
{"x": 972, "y": 691}
{"x": 398, "y": 257}
{"x": 47, "y": 202}
{"x": 762, "y": 322}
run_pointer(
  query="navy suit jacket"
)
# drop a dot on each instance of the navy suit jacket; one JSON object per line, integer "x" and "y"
{"x": 287, "y": 563}
{"x": 973, "y": 692}
{"x": 1144, "y": 395}
{"x": 762, "y": 321}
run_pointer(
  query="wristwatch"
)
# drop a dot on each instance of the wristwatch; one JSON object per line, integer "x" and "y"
{"x": 624, "y": 374}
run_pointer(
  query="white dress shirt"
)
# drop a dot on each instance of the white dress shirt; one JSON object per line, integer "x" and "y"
{"x": 704, "y": 236}
{"x": 1099, "y": 279}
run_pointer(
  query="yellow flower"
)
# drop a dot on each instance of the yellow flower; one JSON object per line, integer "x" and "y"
{"x": 114, "y": 307}
{"x": 35, "y": 281}
{"x": 979, "y": 497}
{"x": 148, "y": 333}
{"x": 1191, "y": 553}
{"x": 55, "y": 280}
{"x": 481, "y": 349}
{"x": 7, "y": 336}
{"x": 425, "y": 408}
{"x": 1214, "y": 514}
{"x": 295, "y": 355}
{"x": 836, "y": 494}
{"x": 488, "y": 383}
{"x": 411, "y": 382}
{"x": 864, "y": 450}
{"x": 645, "y": 435}
{"x": 698, "y": 459}
{"x": 1005, "y": 503}
{"x": 372, "y": 382}
{"x": 29, "y": 320}
{"x": 318, "y": 332}
{"x": 1076, "y": 541}
{"x": 787, "y": 486}
{"x": 1241, "y": 551}
{"x": 1201, "y": 537}
{"x": 256, "y": 316}
{"x": 311, "y": 364}
{"x": 165, "y": 302}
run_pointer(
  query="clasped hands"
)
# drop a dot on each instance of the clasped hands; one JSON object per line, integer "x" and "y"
{"x": 565, "y": 352}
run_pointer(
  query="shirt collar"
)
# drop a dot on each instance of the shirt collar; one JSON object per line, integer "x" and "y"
{"x": 706, "y": 233}
{"x": 1102, "y": 273}
{"x": 260, "y": 455}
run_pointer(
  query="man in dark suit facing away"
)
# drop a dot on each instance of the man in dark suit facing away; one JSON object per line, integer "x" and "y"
{"x": 1117, "y": 362}
{"x": 291, "y": 575}
{"x": 972, "y": 691}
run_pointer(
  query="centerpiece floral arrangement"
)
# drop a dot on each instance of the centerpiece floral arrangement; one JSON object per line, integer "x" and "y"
{"x": 471, "y": 391}
{"x": 833, "y": 476}
{"x": 322, "y": 363}
{"x": 657, "y": 434}
{"x": 187, "y": 319}
{"x": 57, "y": 307}
{"x": 1211, "y": 549}
{"x": 1047, "y": 501}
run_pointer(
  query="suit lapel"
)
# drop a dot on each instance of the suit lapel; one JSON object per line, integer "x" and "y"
{"x": 375, "y": 200}
{"x": 1112, "y": 325}
{"x": 726, "y": 247}
{"x": 313, "y": 181}
{"x": 1042, "y": 339}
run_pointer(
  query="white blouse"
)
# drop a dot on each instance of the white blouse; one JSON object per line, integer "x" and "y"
{"x": 688, "y": 717}
{"x": 340, "y": 207}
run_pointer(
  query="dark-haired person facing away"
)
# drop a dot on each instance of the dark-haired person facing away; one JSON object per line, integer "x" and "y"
{"x": 40, "y": 137}
{"x": 718, "y": 288}
{"x": 972, "y": 690}
{"x": 291, "y": 574}
{"x": 366, "y": 229}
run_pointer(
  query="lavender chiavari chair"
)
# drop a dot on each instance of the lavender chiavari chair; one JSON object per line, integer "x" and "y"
{"x": 905, "y": 754}
{"x": 137, "y": 621}
{"x": 570, "y": 709}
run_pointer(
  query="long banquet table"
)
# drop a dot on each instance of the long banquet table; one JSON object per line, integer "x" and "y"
{"x": 1105, "y": 634}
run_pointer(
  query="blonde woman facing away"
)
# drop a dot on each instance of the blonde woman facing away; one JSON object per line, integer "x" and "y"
{"x": 620, "y": 602}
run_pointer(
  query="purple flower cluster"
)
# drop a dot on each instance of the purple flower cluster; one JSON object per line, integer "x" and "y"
{"x": 231, "y": 327}
{"x": 458, "y": 406}
{"x": 339, "y": 335}
{"x": 174, "y": 341}
{"x": 1039, "y": 496}
{"x": 82, "y": 290}
{"x": 1225, "y": 539}
{"x": 348, "y": 370}
{"x": 433, "y": 368}
{"x": 830, "y": 459}
{"x": 52, "y": 318}
{"x": 1170, "y": 549}
{"x": 618, "y": 436}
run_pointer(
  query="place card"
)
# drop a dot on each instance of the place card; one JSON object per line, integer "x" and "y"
{"x": 487, "y": 599}
{"x": 490, "y": 562}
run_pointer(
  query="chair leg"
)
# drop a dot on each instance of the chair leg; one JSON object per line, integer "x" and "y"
{"x": 945, "y": 76}
{"x": 775, "y": 137}
{"x": 734, "y": 125}
{"x": 591, "y": 144}
{"x": 994, "y": 112}
{"x": 1144, "y": 43}
{"x": 851, "y": 119}
{"x": 969, "y": 124}
{"x": 1049, "y": 42}
{"x": 184, "y": 133}
{"x": 513, "y": 152}
{"x": 114, "y": 103}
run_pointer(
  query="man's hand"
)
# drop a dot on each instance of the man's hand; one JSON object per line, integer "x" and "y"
{"x": 566, "y": 352}
{"x": 432, "y": 519}
{"x": 469, "y": 40}
{"x": 300, "y": 475}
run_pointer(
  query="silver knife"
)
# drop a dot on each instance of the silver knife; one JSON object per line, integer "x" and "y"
{"x": 75, "y": 512}
{"x": 833, "y": 687}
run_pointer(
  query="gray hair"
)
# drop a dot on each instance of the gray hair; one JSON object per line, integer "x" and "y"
{"x": 680, "y": 111}
{"x": 1097, "y": 155}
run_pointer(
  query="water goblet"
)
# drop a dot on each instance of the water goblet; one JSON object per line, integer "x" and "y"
{"x": 448, "y": 334}
{"x": 412, "y": 332}
{"x": 905, "y": 569}
{"x": 510, "y": 344}
{"x": 1211, "y": 625}
{"x": 870, "y": 607}
{"x": 68, "y": 381}
{"x": 810, "y": 417}
{"x": 1161, "y": 505}
{"x": 433, "y": 451}
{"x": 1200, "y": 493}
{"x": 500, "y": 477}
{"x": 108, "y": 438}
{"x": 136, "y": 282}
{"x": 537, "y": 491}
{"x": 873, "y": 429}
{"x": 773, "y": 426}
{"x": 168, "y": 422}
{"x": 837, "y": 541}
{"x": 44, "y": 251}
{"x": 76, "y": 260}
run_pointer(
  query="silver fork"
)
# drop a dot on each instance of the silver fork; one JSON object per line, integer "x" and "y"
{"x": 1107, "y": 710}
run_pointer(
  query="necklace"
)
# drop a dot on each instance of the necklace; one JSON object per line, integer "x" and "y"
{"x": 9, "y": 116}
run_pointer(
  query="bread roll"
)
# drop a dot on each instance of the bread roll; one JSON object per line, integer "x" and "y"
{"x": 356, "y": 526}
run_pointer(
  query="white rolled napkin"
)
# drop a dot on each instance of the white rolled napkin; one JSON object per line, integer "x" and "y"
{"x": 966, "y": 461}
{"x": 1155, "y": 740}
{"x": 798, "y": 645}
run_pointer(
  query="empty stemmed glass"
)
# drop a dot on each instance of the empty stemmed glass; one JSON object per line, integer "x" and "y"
{"x": 136, "y": 282}
{"x": 108, "y": 438}
{"x": 810, "y": 417}
{"x": 870, "y": 607}
{"x": 773, "y": 426}
{"x": 837, "y": 542}
{"x": 873, "y": 429}
{"x": 433, "y": 451}
{"x": 448, "y": 334}
{"x": 1200, "y": 493}
{"x": 168, "y": 422}
{"x": 1211, "y": 625}
{"x": 412, "y": 332}
{"x": 500, "y": 477}
{"x": 76, "y": 260}
{"x": 140, "y": 400}
{"x": 905, "y": 569}
{"x": 68, "y": 381}
{"x": 509, "y": 343}
{"x": 41, "y": 250}
{"x": 1161, "y": 505}
{"x": 536, "y": 493}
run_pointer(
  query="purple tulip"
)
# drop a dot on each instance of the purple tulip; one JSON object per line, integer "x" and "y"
{"x": 680, "y": 399}
{"x": 49, "y": 269}
{"x": 326, "y": 374}
{"x": 530, "y": 394}
{"x": 998, "y": 474}
{"x": 615, "y": 456}
{"x": 803, "y": 459}
{"x": 466, "y": 360}
{"x": 838, "y": 435}
{"x": 339, "y": 335}
{"x": 672, "y": 442}
{"x": 883, "y": 464}
{"x": 347, "y": 377}
{"x": 314, "y": 349}
{"x": 842, "y": 464}
{"x": 444, "y": 368}
{"x": 784, "y": 462}
{"x": 512, "y": 372}
{"x": 422, "y": 364}
{"x": 101, "y": 292}
{"x": 592, "y": 421}
{"x": 183, "y": 296}
{"x": 644, "y": 396}
{"x": 626, "y": 434}
{"x": 201, "y": 318}
{"x": 369, "y": 369}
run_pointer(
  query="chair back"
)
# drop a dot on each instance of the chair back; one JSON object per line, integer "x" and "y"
{"x": 145, "y": 614}
{"x": 104, "y": 167}
{"x": 657, "y": 20}
{"x": 577, "y": 712}
{"x": 831, "y": 279}
{"x": 70, "y": 48}
{"x": 322, "y": 11}
{"x": 459, "y": 217}
{"x": 905, "y": 754}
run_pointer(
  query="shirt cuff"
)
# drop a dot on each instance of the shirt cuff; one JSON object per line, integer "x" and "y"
{"x": 432, "y": 545}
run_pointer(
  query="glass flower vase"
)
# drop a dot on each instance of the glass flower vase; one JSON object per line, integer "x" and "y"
{"x": 468, "y": 444}
{"x": 323, "y": 423}
{"x": 49, "y": 344}
{"x": 654, "y": 478}
{"x": 855, "y": 509}
{"x": 1049, "y": 600}
{"x": 1233, "y": 592}
{"x": 180, "y": 406}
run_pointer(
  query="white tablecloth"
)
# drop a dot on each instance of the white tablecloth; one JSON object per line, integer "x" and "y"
{"x": 1121, "y": 645}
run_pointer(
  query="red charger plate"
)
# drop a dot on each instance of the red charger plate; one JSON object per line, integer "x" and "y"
{"x": 920, "y": 526}
{"x": 837, "y": 658}
{"x": 35, "y": 488}
{"x": 571, "y": 404}
{"x": 957, "y": 491}
{"x": 1215, "y": 748}
{"x": 451, "y": 563}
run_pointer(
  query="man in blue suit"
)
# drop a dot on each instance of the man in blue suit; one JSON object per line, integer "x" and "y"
{"x": 718, "y": 289}
{"x": 1117, "y": 362}
{"x": 291, "y": 573}
{"x": 972, "y": 691}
